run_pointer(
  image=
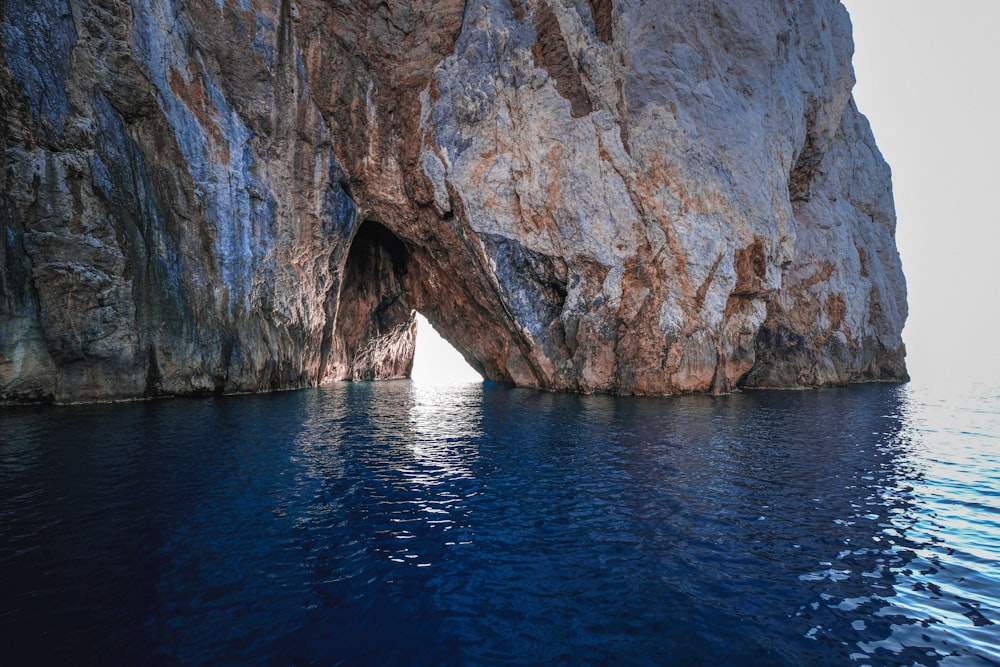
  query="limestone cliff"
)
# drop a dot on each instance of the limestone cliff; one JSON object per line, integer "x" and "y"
{"x": 222, "y": 195}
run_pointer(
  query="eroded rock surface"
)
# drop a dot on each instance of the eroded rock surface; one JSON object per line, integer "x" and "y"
{"x": 221, "y": 196}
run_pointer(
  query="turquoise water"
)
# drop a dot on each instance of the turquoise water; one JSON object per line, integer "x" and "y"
{"x": 478, "y": 524}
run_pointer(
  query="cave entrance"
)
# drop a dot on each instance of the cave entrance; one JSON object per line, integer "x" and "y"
{"x": 436, "y": 361}
{"x": 377, "y": 332}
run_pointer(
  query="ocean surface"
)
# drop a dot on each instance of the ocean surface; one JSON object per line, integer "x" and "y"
{"x": 399, "y": 524}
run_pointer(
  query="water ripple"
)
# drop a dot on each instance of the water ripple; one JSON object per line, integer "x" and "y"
{"x": 395, "y": 523}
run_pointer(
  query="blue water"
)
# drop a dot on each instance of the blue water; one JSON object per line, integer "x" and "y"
{"x": 484, "y": 525}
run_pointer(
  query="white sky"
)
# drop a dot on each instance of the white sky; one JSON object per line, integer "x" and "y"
{"x": 928, "y": 76}
{"x": 436, "y": 362}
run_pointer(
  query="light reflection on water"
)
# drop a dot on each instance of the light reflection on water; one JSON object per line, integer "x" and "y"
{"x": 951, "y": 530}
{"x": 398, "y": 523}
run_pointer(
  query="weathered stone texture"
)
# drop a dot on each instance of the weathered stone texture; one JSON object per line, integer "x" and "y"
{"x": 221, "y": 196}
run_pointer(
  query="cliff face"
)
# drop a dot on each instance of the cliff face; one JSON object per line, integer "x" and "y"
{"x": 219, "y": 196}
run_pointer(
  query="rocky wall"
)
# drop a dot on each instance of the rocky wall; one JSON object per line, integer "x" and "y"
{"x": 224, "y": 196}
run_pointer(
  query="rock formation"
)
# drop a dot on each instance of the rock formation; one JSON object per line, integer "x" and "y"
{"x": 600, "y": 195}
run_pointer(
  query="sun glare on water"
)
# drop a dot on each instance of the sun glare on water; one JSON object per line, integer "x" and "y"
{"x": 436, "y": 362}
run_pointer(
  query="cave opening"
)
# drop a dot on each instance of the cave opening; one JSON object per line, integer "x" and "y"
{"x": 436, "y": 361}
{"x": 378, "y": 333}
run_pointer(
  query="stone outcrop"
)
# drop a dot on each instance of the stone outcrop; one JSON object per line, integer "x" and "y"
{"x": 223, "y": 196}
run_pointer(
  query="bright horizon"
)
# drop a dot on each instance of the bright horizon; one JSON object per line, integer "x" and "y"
{"x": 436, "y": 362}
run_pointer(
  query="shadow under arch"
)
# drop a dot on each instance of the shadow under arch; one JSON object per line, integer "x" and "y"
{"x": 373, "y": 329}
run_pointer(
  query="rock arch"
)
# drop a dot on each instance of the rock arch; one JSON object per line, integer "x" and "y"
{"x": 386, "y": 279}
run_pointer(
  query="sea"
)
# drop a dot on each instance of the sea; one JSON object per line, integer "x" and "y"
{"x": 396, "y": 523}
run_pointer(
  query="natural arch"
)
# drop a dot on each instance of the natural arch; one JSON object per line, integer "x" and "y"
{"x": 387, "y": 278}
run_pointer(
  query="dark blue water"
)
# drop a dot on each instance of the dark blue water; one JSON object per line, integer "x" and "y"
{"x": 482, "y": 525}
